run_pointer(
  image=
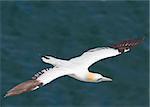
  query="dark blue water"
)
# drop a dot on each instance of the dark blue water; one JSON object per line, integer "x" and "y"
{"x": 66, "y": 29}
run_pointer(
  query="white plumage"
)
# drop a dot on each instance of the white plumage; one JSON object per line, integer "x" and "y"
{"x": 76, "y": 67}
{"x": 90, "y": 57}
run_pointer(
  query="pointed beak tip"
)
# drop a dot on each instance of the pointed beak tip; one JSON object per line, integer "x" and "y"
{"x": 107, "y": 79}
{"x": 110, "y": 79}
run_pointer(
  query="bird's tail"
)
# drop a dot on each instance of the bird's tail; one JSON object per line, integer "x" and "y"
{"x": 125, "y": 45}
{"x": 27, "y": 86}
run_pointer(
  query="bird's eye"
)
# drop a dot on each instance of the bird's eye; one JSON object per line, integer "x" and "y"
{"x": 99, "y": 79}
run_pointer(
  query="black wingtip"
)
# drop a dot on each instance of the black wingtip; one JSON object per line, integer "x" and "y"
{"x": 122, "y": 46}
{"x": 27, "y": 86}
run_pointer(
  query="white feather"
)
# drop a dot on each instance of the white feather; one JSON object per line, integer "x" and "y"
{"x": 52, "y": 74}
{"x": 77, "y": 65}
{"x": 90, "y": 57}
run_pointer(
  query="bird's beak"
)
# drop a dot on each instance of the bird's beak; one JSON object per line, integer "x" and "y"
{"x": 106, "y": 79}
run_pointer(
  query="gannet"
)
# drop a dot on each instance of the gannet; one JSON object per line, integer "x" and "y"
{"x": 76, "y": 67}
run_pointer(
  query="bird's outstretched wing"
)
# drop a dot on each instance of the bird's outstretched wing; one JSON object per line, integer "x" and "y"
{"x": 40, "y": 79}
{"x": 93, "y": 55}
{"x": 52, "y": 74}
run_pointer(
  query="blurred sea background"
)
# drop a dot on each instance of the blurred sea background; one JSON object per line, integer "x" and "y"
{"x": 30, "y": 29}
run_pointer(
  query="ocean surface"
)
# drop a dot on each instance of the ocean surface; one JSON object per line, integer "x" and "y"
{"x": 65, "y": 30}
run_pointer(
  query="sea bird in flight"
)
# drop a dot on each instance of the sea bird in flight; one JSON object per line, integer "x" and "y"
{"x": 76, "y": 67}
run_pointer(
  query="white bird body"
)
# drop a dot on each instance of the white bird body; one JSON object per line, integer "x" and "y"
{"x": 71, "y": 70}
{"x": 76, "y": 67}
